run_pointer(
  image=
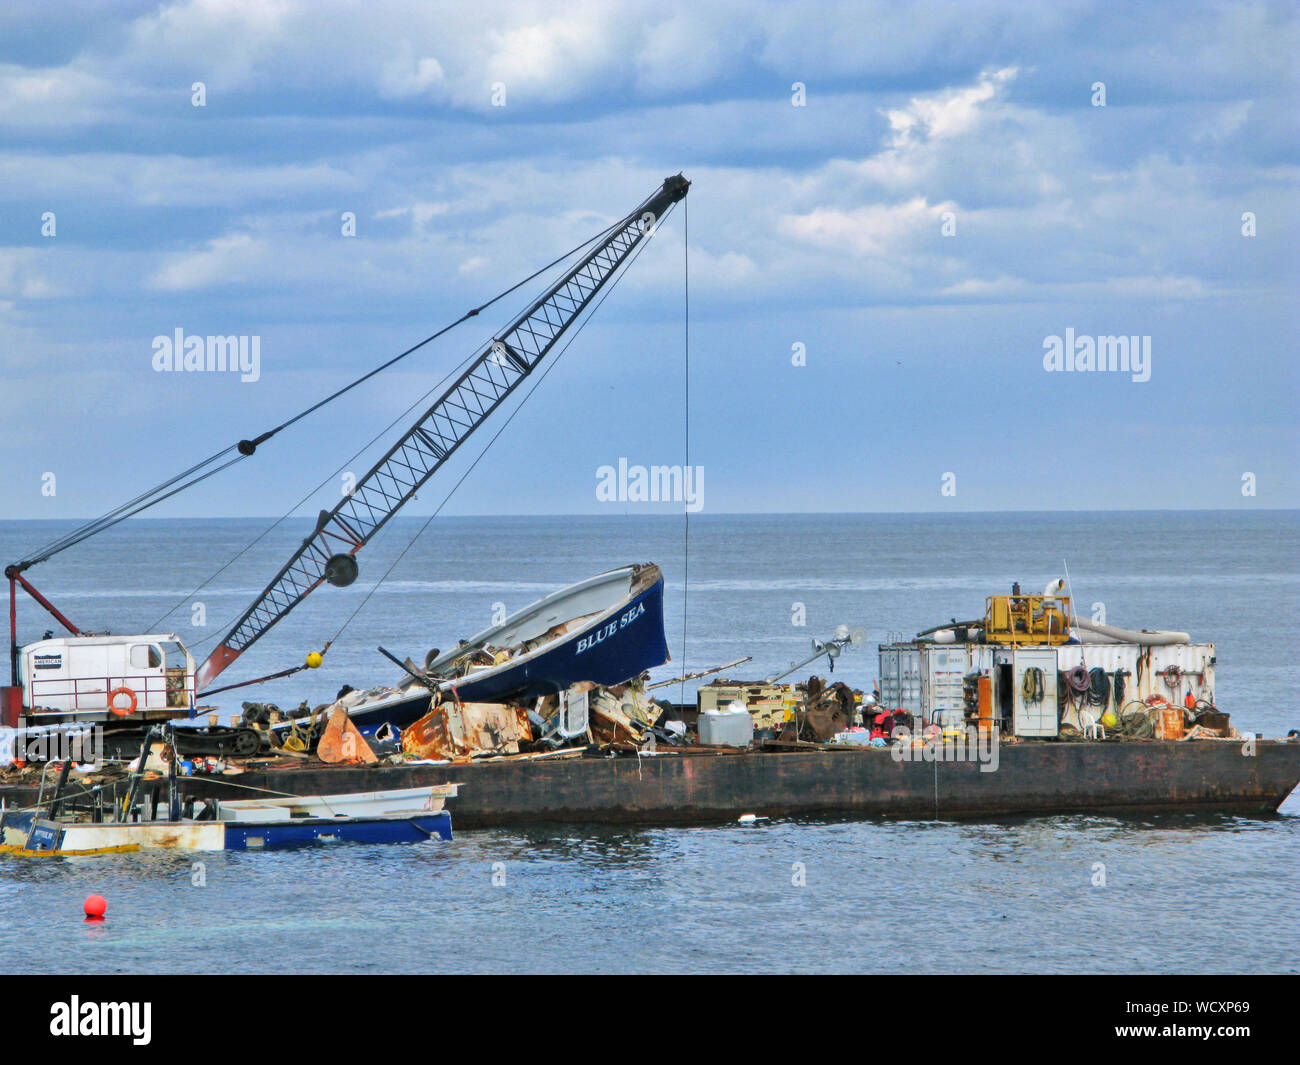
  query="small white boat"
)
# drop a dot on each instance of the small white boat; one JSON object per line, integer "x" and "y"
{"x": 357, "y": 804}
{"x": 409, "y": 815}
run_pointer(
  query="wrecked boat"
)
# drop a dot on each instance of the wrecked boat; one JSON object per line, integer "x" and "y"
{"x": 604, "y": 630}
{"x": 407, "y": 815}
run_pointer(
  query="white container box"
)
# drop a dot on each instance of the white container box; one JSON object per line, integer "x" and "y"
{"x": 726, "y": 728}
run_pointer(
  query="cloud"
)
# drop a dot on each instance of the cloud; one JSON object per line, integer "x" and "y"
{"x": 801, "y": 218}
{"x": 945, "y": 114}
{"x": 21, "y": 277}
{"x": 226, "y": 260}
{"x": 46, "y": 97}
{"x": 876, "y": 229}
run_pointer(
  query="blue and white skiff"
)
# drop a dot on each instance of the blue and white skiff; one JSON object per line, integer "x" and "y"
{"x": 410, "y": 815}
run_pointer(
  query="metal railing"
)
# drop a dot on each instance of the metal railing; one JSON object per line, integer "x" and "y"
{"x": 157, "y": 691}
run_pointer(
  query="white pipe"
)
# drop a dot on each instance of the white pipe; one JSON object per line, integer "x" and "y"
{"x": 1160, "y": 638}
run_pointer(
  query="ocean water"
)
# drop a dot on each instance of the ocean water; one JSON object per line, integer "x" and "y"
{"x": 1181, "y": 893}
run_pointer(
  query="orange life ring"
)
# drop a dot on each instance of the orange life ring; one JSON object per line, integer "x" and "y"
{"x": 120, "y": 711}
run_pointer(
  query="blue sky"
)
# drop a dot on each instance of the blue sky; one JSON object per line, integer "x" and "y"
{"x": 821, "y": 225}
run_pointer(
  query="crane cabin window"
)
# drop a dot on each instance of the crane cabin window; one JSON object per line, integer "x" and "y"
{"x": 146, "y": 656}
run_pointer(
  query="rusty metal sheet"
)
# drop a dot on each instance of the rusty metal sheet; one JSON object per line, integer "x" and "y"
{"x": 466, "y": 730}
{"x": 343, "y": 742}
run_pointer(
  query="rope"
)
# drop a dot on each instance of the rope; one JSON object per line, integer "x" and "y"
{"x": 1077, "y": 679}
{"x": 1135, "y": 719}
{"x": 1098, "y": 687}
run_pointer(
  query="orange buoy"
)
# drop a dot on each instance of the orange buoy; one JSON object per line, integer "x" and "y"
{"x": 95, "y": 907}
{"x": 122, "y": 711}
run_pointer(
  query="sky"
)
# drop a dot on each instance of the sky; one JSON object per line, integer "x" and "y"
{"x": 894, "y": 210}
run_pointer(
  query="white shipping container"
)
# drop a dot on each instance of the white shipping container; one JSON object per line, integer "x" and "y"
{"x": 926, "y": 679}
{"x": 900, "y": 677}
{"x": 1170, "y": 672}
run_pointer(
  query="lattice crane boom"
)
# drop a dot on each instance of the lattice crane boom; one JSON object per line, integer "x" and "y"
{"x": 328, "y": 553}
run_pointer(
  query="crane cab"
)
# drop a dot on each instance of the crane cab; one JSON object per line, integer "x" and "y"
{"x": 100, "y": 677}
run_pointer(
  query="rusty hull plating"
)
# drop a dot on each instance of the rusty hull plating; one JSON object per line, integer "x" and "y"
{"x": 1036, "y": 778}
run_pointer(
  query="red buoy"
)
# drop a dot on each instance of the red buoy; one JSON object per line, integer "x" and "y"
{"x": 96, "y": 905}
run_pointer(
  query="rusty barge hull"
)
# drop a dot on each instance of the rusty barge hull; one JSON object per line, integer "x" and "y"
{"x": 1031, "y": 779}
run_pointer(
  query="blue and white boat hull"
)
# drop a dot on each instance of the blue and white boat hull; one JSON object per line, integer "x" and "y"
{"x": 606, "y": 629}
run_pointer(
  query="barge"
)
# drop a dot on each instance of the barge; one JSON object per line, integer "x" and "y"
{"x": 692, "y": 787}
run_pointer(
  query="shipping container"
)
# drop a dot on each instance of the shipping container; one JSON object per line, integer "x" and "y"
{"x": 936, "y": 680}
{"x": 900, "y": 677}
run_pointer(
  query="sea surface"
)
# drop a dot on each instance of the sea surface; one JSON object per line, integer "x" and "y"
{"x": 1180, "y": 893}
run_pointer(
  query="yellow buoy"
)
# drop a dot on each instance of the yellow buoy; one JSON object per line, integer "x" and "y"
{"x": 314, "y": 660}
{"x": 1109, "y": 719}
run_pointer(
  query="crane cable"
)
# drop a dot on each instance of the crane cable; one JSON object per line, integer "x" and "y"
{"x": 422, "y": 400}
{"x": 478, "y": 458}
{"x": 686, "y": 470}
{"x": 360, "y": 451}
{"x": 246, "y": 448}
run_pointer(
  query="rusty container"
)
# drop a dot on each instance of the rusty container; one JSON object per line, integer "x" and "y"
{"x": 1169, "y": 725}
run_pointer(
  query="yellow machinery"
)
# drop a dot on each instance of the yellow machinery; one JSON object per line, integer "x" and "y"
{"x": 770, "y": 704}
{"x": 1027, "y": 619}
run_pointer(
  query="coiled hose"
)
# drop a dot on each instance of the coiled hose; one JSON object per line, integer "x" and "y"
{"x": 1098, "y": 687}
{"x": 1031, "y": 687}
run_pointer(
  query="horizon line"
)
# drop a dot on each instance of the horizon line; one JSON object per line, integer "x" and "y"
{"x": 722, "y": 513}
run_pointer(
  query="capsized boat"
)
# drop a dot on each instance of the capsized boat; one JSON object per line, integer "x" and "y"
{"x": 408, "y": 815}
{"x": 607, "y": 629}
